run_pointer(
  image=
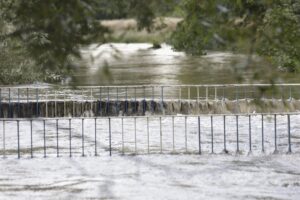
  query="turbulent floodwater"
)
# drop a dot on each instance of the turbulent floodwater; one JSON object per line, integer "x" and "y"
{"x": 134, "y": 136}
{"x": 155, "y": 176}
{"x": 135, "y": 64}
{"x": 177, "y": 173}
{"x": 152, "y": 177}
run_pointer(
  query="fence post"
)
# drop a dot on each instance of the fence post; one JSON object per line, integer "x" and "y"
{"x": 185, "y": 133}
{"x": 199, "y": 135}
{"x": 216, "y": 93}
{"x": 3, "y": 127}
{"x": 107, "y": 103}
{"x": 275, "y": 133}
{"x": 148, "y": 135}
{"x": 126, "y": 100}
{"x": 18, "y": 102}
{"x": 179, "y": 93}
{"x": 160, "y": 131}
{"x": 96, "y": 137}
{"x": 197, "y": 94}
{"x": 206, "y": 93}
{"x": 152, "y": 102}
{"x": 55, "y": 104}
{"x": 27, "y": 99}
{"x": 70, "y": 137}
{"x": 82, "y": 137}
{"x": 44, "y": 133}
{"x": 262, "y": 134}
{"x": 289, "y": 134}
{"x": 122, "y": 135}
{"x": 46, "y": 103}
{"x": 91, "y": 99}
{"x": 100, "y": 101}
{"x": 0, "y": 102}
{"x": 9, "y": 104}
{"x": 236, "y": 99}
{"x": 162, "y": 99}
{"x": 224, "y": 131}
{"x": 144, "y": 100}
{"x": 83, "y": 102}
{"x": 57, "y": 144}
{"x": 223, "y": 98}
{"x": 135, "y": 145}
{"x": 64, "y": 94}
{"x": 117, "y": 102}
{"x": 37, "y": 102}
{"x": 18, "y": 133}
{"x": 173, "y": 134}
{"x": 31, "y": 145}
{"x": 250, "y": 135}
{"x": 135, "y": 103}
{"x": 109, "y": 125}
{"x": 237, "y": 135}
{"x": 212, "y": 134}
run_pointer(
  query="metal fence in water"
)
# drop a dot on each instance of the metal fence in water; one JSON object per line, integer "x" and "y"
{"x": 150, "y": 92}
{"x": 251, "y": 133}
{"x": 40, "y": 101}
{"x": 239, "y": 133}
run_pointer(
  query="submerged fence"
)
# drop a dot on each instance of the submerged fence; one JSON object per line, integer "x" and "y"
{"x": 150, "y": 92}
{"x": 26, "y": 132}
{"x": 253, "y": 133}
{"x": 132, "y": 100}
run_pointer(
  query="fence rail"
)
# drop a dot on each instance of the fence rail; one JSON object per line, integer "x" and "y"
{"x": 193, "y": 134}
{"x": 154, "y": 92}
{"x": 101, "y": 100}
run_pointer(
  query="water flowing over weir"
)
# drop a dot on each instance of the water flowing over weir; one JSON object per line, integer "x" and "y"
{"x": 84, "y": 121}
{"x": 20, "y": 102}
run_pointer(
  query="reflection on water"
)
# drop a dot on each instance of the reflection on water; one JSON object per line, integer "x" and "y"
{"x": 135, "y": 64}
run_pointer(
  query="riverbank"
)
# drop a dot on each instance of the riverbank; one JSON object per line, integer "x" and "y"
{"x": 126, "y": 30}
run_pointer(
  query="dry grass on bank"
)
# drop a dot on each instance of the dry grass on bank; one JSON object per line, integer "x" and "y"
{"x": 125, "y": 30}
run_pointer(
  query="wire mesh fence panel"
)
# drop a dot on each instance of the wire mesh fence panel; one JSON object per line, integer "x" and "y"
{"x": 242, "y": 134}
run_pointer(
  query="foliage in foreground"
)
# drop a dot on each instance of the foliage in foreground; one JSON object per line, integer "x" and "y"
{"x": 45, "y": 37}
{"x": 40, "y": 39}
{"x": 269, "y": 28}
{"x": 49, "y": 34}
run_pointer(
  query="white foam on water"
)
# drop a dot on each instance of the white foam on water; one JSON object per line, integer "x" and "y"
{"x": 154, "y": 176}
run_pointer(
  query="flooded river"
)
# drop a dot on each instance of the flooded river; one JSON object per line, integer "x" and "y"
{"x": 135, "y": 64}
{"x": 157, "y": 176}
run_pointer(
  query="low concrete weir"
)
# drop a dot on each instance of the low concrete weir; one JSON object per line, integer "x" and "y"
{"x": 139, "y": 100}
{"x": 142, "y": 107}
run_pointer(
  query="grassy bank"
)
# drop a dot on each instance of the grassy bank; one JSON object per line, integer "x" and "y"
{"x": 126, "y": 31}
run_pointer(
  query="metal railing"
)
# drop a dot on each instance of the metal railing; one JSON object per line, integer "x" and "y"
{"x": 150, "y": 92}
{"x": 32, "y": 97}
{"x": 192, "y": 134}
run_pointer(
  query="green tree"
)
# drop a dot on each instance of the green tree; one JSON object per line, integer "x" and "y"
{"x": 270, "y": 28}
{"x": 46, "y": 36}
{"x": 52, "y": 32}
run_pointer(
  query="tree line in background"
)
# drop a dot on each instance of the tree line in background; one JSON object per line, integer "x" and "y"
{"x": 40, "y": 39}
{"x": 269, "y": 28}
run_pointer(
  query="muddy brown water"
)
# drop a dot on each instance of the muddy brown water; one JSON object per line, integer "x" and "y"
{"x": 135, "y": 64}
